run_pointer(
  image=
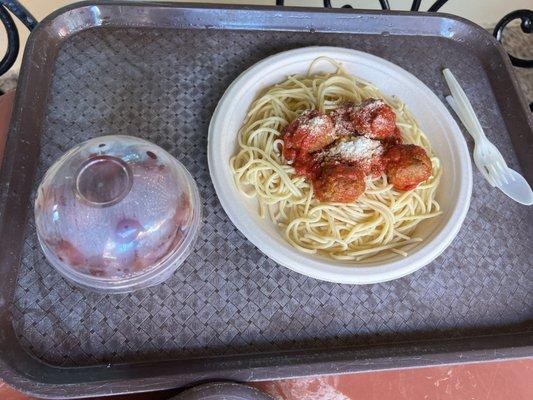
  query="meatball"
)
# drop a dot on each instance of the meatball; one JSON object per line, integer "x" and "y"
{"x": 355, "y": 150}
{"x": 393, "y": 140}
{"x": 339, "y": 183}
{"x": 310, "y": 132}
{"x": 374, "y": 119}
{"x": 407, "y": 165}
{"x": 342, "y": 120}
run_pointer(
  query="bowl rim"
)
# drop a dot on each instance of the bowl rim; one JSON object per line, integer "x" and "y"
{"x": 318, "y": 267}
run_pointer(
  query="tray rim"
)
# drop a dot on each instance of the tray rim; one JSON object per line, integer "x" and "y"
{"x": 25, "y": 376}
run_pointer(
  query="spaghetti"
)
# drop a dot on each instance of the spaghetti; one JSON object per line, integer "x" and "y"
{"x": 380, "y": 221}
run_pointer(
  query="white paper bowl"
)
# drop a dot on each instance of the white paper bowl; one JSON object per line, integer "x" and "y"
{"x": 446, "y": 139}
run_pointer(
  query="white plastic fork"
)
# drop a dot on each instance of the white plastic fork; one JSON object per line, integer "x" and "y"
{"x": 487, "y": 157}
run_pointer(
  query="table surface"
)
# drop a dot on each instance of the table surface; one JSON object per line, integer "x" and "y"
{"x": 509, "y": 380}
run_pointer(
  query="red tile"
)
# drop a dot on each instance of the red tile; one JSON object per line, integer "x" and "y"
{"x": 7, "y": 393}
{"x": 6, "y": 106}
{"x": 487, "y": 381}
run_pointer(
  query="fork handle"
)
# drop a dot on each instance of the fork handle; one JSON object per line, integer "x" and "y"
{"x": 462, "y": 106}
{"x": 469, "y": 124}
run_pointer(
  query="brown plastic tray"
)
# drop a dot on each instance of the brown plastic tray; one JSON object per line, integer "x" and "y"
{"x": 157, "y": 71}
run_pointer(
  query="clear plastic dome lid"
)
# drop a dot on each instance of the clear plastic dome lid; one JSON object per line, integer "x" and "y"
{"x": 117, "y": 213}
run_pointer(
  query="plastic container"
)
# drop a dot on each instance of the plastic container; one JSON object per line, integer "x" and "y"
{"x": 117, "y": 214}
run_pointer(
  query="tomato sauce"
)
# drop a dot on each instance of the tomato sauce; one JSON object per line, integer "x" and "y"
{"x": 337, "y": 151}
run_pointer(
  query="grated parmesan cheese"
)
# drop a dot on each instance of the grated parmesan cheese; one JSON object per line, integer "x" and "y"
{"x": 317, "y": 125}
{"x": 359, "y": 149}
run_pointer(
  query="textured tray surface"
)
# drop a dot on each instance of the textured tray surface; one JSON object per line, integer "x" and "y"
{"x": 228, "y": 297}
